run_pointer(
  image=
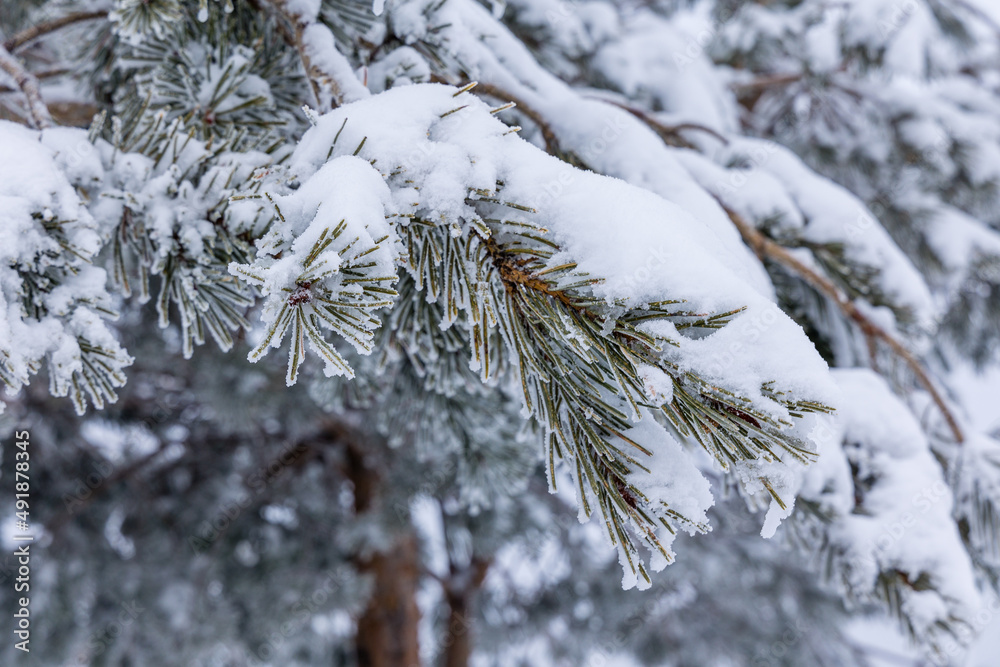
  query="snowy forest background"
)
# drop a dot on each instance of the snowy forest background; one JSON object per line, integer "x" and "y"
{"x": 539, "y": 332}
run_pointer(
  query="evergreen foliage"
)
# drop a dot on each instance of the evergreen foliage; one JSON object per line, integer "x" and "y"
{"x": 685, "y": 266}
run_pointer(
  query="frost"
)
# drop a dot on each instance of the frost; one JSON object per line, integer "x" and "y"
{"x": 433, "y": 146}
{"x": 53, "y": 303}
{"x": 334, "y": 222}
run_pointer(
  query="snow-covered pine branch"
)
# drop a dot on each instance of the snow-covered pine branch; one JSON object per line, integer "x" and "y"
{"x": 608, "y": 279}
{"x": 54, "y": 302}
{"x": 595, "y": 346}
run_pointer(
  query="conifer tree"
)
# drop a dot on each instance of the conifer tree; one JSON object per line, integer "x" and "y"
{"x": 423, "y": 331}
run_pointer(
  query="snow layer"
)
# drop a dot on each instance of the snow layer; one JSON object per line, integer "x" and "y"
{"x": 51, "y": 298}
{"x": 890, "y": 507}
{"x": 438, "y": 149}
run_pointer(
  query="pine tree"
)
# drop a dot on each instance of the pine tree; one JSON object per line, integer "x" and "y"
{"x": 582, "y": 279}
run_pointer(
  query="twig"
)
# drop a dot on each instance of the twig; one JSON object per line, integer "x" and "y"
{"x": 767, "y": 82}
{"x": 765, "y": 248}
{"x": 330, "y": 74}
{"x": 56, "y": 523}
{"x": 29, "y": 86}
{"x": 512, "y": 274}
{"x": 36, "y": 31}
{"x": 669, "y": 133}
{"x": 496, "y": 92}
{"x": 979, "y": 13}
{"x": 41, "y": 76}
{"x": 761, "y": 245}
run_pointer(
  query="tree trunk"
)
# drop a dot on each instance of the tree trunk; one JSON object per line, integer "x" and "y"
{"x": 458, "y": 640}
{"x": 460, "y": 592}
{"x": 387, "y": 630}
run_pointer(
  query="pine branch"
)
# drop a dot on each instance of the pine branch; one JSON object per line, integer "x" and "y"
{"x": 512, "y": 274}
{"x": 671, "y": 134}
{"x": 496, "y": 92}
{"x": 980, "y": 14}
{"x": 767, "y": 249}
{"x": 330, "y": 74}
{"x": 41, "y": 76}
{"x": 748, "y": 92}
{"x": 770, "y": 81}
{"x": 29, "y": 86}
{"x": 46, "y": 27}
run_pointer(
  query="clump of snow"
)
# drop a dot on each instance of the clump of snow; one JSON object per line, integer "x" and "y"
{"x": 52, "y": 299}
{"x": 893, "y": 515}
{"x": 337, "y": 214}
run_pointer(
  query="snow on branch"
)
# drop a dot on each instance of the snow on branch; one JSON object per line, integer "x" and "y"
{"x": 768, "y": 249}
{"x": 29, "y": 86}
{"x": 330, "y": 74}
{"x": 885, "y": 512}
{"x": 328, "y": 262}
{"x": 53, "y": 301}
{"x": 614, "y": 365}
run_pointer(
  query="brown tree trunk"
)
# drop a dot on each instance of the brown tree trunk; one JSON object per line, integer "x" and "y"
{"x": 460, "y": 591}
{"x": 387, "y": 630}
{"x": 458, "y": 640}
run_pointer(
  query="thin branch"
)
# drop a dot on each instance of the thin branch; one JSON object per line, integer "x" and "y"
{"x": 767, "y": 249}
{"x": 330, "y": 74}
{"x": 41, "y": 76}
{"x": 749, "y": 92}
{"x": 29, "y": 86}
{"x": 980, "y": 14}
{"x": 512, "y": 274}
{"x": 36, "y": 31}
{"x": 496, "y": 92}
{"x": 769, "y": 81}
{"x": 671, "y": 134}
{"x": 55, "y": 524}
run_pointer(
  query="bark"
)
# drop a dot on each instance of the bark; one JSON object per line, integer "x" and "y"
{"x": 387, "y": 630}
{"x": 460, "y": 592}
